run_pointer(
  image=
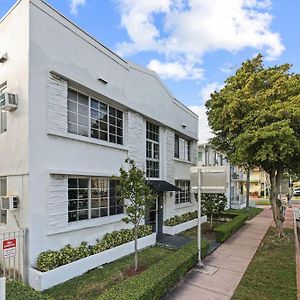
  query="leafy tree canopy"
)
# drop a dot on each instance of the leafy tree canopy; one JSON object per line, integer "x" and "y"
{"x": 256, "y": 122}
{"x": 256, "y": 117}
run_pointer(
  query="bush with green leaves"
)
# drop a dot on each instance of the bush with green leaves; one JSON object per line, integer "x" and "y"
{"x": 224, "y": 231}
{"x": 156, "y": 281}
{"x": 49, "y": 260}
{"x": 181, "y": 219}
{"x": 16, "y": 290}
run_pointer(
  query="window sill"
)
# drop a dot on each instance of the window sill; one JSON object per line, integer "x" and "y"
{"x": 183, "y": 205}
{"x": 85, "y": 224}
{"x": 183, "y": 161}
{"x": 87, "y": 140}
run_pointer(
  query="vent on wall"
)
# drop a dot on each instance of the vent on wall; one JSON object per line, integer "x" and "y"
{"x": 3, "y": 58}
{"x": 102, "y": 80}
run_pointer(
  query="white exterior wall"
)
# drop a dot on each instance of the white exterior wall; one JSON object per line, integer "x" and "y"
{"x": 45, "y": 150}
{"x": 14, "y": 30}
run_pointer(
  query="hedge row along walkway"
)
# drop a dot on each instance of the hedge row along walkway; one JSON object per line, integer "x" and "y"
{"x": 231, "y": 258}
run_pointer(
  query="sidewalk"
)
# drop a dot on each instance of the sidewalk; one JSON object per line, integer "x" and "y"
{"x": 231, "y": 258}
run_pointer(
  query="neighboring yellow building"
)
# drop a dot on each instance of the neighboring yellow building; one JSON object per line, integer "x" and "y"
{"x": 259, "y": 183}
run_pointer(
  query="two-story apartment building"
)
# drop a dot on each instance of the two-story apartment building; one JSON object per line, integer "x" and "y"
{"x": 82, "y": 110}
{"x": 235, "y": 177}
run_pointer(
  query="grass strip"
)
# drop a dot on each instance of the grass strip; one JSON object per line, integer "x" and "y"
{"x": 272, "y": 272}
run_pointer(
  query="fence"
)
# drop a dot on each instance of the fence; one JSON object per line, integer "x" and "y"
{"x": 13, "y": 258}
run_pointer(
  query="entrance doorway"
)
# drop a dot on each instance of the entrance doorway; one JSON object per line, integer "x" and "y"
{"x": 155, "y": 214}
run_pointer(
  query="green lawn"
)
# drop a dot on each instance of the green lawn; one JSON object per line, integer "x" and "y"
{"x": 262, "y": 201}
{"x": 251, "y": 211}
{"x": 272, "y": 272}
{"x": 92, "y": 284}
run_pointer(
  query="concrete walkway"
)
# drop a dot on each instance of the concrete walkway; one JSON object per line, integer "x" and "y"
{"x": 231, "y": 258}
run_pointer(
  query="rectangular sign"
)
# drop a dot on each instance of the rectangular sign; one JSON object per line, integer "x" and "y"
{"x": 9, "y": 248}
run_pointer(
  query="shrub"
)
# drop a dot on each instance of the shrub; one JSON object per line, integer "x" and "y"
{"x": 49, "y": 260}
{"x": 16, "y": 290}
{"x": 181, "y": 219}
{"x": 224, "y": 231}
{"x": 155, "y": 282}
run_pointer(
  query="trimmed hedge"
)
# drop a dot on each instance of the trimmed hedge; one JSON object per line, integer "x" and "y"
{"x": 49, "y": 260}
{"x": 156, "y": 281}
{"x": 181, "y": 219}
{"x": 16, "y": 290}
{"x": 224, "y": 231}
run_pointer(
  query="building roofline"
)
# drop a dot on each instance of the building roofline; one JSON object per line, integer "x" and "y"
{"x": 10, "y": 10}
{"x": 110, "y": 53}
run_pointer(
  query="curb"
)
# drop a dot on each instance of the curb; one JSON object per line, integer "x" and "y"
{"x": 297, "y": 254}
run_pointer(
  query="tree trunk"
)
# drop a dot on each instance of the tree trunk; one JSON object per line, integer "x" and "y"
{"x": 135, "y": 248}
{"x": 275, "y": 177}
{"x": 211, "y": 221}
{"x": 248, "y": 189}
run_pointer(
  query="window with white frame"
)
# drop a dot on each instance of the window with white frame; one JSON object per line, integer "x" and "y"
{"x": 91, "y": 198}
{"x": 3, "y": 114}
{"x": 152, "y": 150}
{"x": 93, "y": 118}
{"x": 183, "y": 196}
{"x": 182, "y": 148}
{"x": 3, "y": 192}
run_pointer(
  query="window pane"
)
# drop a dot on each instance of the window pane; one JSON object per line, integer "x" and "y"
{"x": 103, "y": 136}
{"x": 82, "y": 99}
{"x": 82, "y": 130}
{"x": 72, "y": 106}
{"x": 95, "y": 213}
{"x": 94, "y": 114}
{"x": 83, "y": 215}
{"x": 152, "y": 150}
{"x": 77, "y": 113}
{"x": 82, "y": 120}
{"x": 72, "y": 128}
{"x": 72, "y": 95}
{"x": 83, "y": 110}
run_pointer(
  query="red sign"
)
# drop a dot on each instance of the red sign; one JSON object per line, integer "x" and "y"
{"x": 9, "y": 248}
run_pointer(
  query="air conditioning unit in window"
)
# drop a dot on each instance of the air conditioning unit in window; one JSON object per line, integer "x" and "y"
{"x": 8, "y": 102}
{"x": 9, "y": 202}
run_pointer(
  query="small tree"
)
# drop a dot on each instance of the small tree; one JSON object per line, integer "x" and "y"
{"x": 136, "y": 195}
{"x": 213, "y": 205}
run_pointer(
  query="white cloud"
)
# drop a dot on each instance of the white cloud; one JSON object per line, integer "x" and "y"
{"x": 175, "y": 70}
{"x": 191, "y": 28}
{"x": 204, "y": 132}
{"x": 75, "y": 4}
{"x": 208, "y": 89}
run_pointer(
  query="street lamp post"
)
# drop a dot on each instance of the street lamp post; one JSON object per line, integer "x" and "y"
{"x": 200, "y": 264}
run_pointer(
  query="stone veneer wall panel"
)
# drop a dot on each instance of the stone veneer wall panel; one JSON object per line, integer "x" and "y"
{"x": 170, "y": 164}
{"x": 136, "y": 139}
{"x": 57, "y": 203}
{"x": 57, "y": 104}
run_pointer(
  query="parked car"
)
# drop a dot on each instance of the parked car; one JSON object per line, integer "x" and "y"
{"x": 296, "y": 191}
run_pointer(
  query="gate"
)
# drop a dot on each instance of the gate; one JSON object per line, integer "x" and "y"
{"x": 13, "y": 258}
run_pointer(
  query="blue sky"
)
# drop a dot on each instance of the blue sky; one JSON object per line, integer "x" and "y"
{"x": 193, "y": 44}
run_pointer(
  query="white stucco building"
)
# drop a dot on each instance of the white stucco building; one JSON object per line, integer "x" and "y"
{"x": 235, "y": 177}
{"x": 81, "y": 111}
